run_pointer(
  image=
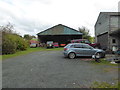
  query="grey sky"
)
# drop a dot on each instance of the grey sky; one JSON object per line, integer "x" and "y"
{"x": 33, "y": 16}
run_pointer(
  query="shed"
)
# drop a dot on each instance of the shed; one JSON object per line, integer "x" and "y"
{"x": 59, "y": 33}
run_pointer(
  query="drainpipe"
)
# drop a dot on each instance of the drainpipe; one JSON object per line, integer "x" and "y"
{"x": 109, "y": 34}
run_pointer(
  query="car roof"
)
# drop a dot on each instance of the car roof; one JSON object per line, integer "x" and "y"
{"x": 78, "y": 39}
{"x": 78, "y": 44}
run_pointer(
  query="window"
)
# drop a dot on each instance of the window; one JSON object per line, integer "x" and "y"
{"x": 87, "y": 42}
{"x": 87, "y": 47}
{"x": 77, "y": 46}
{"x": 72, "y": 46}
{"x": 113, "y": 41}
{"x": 82, "y": 41}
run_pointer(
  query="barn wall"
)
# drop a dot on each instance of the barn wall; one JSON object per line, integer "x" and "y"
{"x": 103, "y": 40}
{"x": 102, "y": 25}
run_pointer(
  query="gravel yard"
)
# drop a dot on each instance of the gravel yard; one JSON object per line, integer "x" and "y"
{"x": 49, "y": 69}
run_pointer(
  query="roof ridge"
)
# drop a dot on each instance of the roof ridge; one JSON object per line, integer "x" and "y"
{"x": 56, "y": 26}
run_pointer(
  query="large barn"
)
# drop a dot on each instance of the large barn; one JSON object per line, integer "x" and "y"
{"x": 59, "y": 33}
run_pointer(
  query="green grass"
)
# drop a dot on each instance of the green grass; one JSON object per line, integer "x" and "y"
{"x": 29, "y": 50}
{"x": 105, "y": 85}
{"x": 103, "y": 62}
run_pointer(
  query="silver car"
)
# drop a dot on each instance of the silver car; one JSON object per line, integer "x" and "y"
{"x": 79, "y": 49}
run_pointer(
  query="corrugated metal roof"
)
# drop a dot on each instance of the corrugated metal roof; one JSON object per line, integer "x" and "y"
{"x": 60, "y": 30}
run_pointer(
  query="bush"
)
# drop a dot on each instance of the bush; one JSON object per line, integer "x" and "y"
{"x": 8, "y": 45}
{"x": 21, "y": 44}
{"x": 12, "y": 43}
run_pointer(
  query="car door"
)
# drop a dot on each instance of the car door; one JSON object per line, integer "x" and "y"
{"x": 78, "y": 49}
{"x": 87, "y": 50}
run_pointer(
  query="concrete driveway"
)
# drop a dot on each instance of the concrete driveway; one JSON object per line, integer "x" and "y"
{"x": 49, "y": 69}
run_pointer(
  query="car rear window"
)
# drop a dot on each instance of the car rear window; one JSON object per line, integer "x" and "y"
{"x": 67, "y": 46}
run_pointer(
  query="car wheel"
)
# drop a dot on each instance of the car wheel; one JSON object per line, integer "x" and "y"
{"x": 72, "y": 55}
{"x": 98, "y": 55}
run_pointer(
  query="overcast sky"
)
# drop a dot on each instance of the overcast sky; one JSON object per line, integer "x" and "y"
{"x": 33, "y": 16}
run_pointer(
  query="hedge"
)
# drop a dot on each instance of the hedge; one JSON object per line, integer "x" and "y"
{"x": 12, "y": 43}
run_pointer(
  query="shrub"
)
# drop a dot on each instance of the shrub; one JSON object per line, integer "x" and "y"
{"x": 11, "y": 41}
{"x": 8, "y": 45}
{"x": 21, "y": 44}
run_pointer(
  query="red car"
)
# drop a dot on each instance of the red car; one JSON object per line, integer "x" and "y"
{"x": 95, "y": 45}
{"x": 55, "y": 44}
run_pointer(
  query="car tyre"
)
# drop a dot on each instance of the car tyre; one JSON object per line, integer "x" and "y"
{"x": 71, "y": 55}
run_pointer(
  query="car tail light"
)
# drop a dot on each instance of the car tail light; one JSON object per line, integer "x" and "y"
{"x": 65, "y": 49}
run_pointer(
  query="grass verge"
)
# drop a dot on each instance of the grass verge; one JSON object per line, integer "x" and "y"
{"x": 105, "y": 85}
{"x": 29, "y": 50}
{"x": 103, "y": 62}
